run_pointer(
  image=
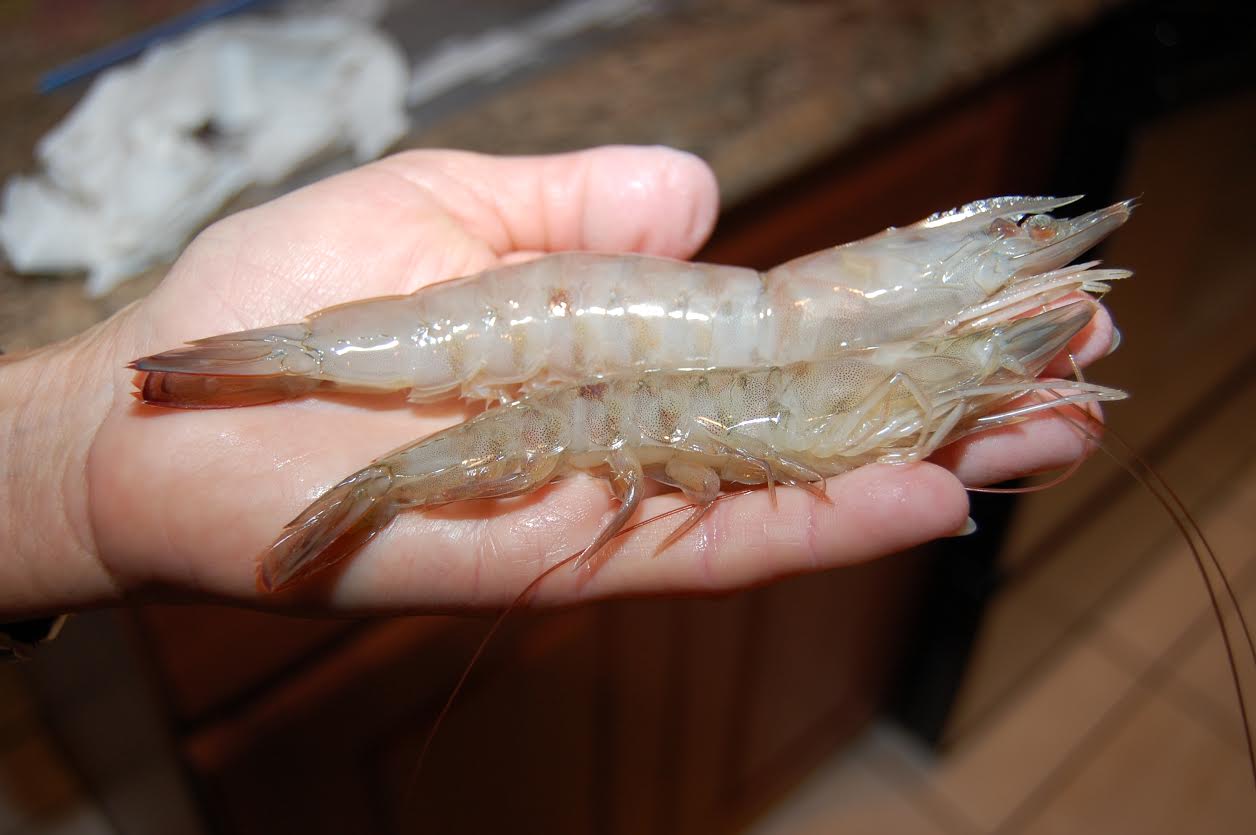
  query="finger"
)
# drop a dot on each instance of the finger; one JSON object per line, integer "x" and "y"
{"x": 747, "y": 540}
{"x": 403, "y": 222}
{"x": 1094, "y": 342}
{"x": 432, "y": 561}
{"x": 1048, "y": 440}
{"x": 653, "y": 200}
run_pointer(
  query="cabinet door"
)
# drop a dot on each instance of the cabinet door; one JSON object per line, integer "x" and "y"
{"x": 207, "y": 658}
{"x": 776, "y": 679}
{"x": 336, "y": 749}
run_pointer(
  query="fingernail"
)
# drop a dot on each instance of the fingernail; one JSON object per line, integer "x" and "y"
{"x": 969, "y": 527}
{"x": 1116, "y": 340}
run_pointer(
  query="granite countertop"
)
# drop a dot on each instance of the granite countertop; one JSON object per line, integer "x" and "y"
{"x": 759, "y": 88}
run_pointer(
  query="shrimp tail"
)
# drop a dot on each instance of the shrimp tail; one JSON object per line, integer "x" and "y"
{"x": 449, "y": 466}
{"x": 338, "y": 523}
{"x": 246, "y": 368}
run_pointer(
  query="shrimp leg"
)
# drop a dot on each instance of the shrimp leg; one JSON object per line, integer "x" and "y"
{"x": 777, "y": 468}
{"x": 627, "y": 484}
{"x": 701, "y": 486}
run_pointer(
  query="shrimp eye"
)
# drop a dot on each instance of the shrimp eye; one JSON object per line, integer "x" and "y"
{"x": 1041, "y": 228}
{"x": 1003, "y": 228}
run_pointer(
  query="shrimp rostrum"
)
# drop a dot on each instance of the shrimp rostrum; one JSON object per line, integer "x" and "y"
{"x": 793, "y": 424}
{"x": 568, "y": 317}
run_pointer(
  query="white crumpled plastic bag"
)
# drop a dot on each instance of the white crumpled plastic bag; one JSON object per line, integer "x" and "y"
{"x": 157, "y": 146}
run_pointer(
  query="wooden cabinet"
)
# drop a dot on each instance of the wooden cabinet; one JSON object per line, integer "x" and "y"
{"x": 626, "y": 716}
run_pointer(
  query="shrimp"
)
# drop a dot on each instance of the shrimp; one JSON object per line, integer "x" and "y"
{"x": 695, "y": 430}
{"x": 569, "y": 317}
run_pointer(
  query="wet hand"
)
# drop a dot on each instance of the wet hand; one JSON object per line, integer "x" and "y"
{"x": 152, "y": 503}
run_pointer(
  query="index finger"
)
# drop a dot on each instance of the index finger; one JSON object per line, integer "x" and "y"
{"x": 652, "y": 200}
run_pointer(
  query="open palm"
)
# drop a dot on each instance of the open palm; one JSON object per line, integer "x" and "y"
{"x": 181, "y": 503}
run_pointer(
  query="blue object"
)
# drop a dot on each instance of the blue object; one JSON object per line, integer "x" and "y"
{"x": 118, "y": 51}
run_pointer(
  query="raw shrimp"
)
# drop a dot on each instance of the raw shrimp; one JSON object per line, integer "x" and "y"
{"x": 794, "y": 425}
{"x": 572, "y": 316}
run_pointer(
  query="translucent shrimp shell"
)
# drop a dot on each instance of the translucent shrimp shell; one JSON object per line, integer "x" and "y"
{"x": 572, "y": 316}
{"x": 792, "y": 424}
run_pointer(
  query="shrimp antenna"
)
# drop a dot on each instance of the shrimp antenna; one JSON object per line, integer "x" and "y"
{"x": 479, "y": 650}
{"x": 1063, "y": 476}
{"x": 1220, "y": 591}
{"x": 512, "y": 606}
{"x": 1201, "y": 550}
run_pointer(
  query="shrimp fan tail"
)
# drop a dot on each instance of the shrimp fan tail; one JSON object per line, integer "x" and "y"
{"x": 236, "y": 369}
{"x": 338, "y": 523}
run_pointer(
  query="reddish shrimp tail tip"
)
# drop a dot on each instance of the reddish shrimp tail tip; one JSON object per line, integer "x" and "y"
{"x": 197, "y": 391}
{"x": 338, "y": 523}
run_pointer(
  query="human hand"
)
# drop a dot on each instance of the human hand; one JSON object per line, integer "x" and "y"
{"x": 152, "y": 503}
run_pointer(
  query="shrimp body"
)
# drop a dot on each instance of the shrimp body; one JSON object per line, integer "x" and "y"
{"x": 793, "y": 424}
{"x": 569, "y": 317}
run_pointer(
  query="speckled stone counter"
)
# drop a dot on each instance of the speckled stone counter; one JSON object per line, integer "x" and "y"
{"x": 759, "y": 88}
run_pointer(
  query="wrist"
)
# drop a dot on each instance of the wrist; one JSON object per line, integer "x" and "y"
{"x": 52, "y": 401}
